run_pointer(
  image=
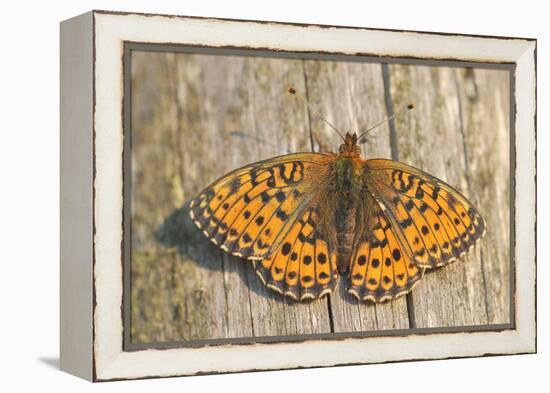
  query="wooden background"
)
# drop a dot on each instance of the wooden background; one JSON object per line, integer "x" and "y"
{"x": 196, "y": 117}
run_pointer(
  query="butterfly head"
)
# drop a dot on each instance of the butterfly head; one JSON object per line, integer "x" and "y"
{"x": 350, "y": 146}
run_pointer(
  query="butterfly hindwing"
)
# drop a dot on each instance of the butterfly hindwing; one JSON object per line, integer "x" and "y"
{"x": 381, "y": 267}
{"x": 435, "y": 222}
{"x": 304, "y": 265}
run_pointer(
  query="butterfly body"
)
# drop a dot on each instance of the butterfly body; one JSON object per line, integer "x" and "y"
{"x": 345, "y": 196}
{"x": 306, "y": 218}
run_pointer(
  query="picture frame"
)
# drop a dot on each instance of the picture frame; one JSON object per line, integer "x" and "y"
{"x": 96, "y": 47}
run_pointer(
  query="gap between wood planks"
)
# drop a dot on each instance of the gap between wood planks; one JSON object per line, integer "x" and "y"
{"x": 395, "y": 156}
{"x": 312, "y": 146}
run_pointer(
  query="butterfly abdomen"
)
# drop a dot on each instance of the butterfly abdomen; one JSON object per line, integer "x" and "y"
{"x": 348, "y": 180}
{"x": 345, "y": 227}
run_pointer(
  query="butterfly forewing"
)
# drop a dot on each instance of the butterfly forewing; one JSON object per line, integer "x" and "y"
{"x": 436, "y": 223}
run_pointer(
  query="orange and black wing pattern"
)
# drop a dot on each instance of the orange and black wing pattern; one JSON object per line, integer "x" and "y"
{"x": 381, "y": 266}
{"x": 304, "y": 266}
{"x": 269, "y": 211}
{"x": 434, "y": 222}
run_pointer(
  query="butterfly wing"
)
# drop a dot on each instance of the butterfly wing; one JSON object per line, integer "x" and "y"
{"x": 271, "y": 211}
{"x": 304, "y": 266}
{"x": 432, "y": 220}
{"x": 381, "y": 267}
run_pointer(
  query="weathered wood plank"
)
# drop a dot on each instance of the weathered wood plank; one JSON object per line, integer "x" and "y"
{"x": 270, "y": 115}
{"x": 168, "y": 289}
{"x": 351, "y": 97}
{"x": 485, "y": 101}
{"x": 433, "y": 139}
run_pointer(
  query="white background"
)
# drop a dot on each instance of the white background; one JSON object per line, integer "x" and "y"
{"x": 29, "y": 196}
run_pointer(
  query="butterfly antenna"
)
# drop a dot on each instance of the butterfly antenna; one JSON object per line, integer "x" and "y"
{"x": 389, "y": 118}
{"x": 317, "y": 113}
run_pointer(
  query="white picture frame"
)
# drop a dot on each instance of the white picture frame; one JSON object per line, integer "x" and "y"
{"x": 92, "y": 274}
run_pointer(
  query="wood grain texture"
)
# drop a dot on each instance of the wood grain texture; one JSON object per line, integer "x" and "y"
{"x": 196, "y": 117}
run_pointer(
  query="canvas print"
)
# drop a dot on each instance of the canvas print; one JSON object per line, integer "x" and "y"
{"x": 273, "y": 197}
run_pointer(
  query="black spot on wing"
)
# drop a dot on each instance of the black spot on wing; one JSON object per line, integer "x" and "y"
{"x": 265, "y": 197}
{"x": 280, "y": 196}
{"x": 285, "y": 250}
{"x": 396, "y": 254}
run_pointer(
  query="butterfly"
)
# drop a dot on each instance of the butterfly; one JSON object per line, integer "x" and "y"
{"x": 304, "y": 219}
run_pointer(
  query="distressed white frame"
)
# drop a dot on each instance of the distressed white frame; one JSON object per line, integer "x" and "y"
{"x": 109, "y": 361}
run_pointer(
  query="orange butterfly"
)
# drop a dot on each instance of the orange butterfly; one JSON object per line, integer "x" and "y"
{"x": 305, "y": 218}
